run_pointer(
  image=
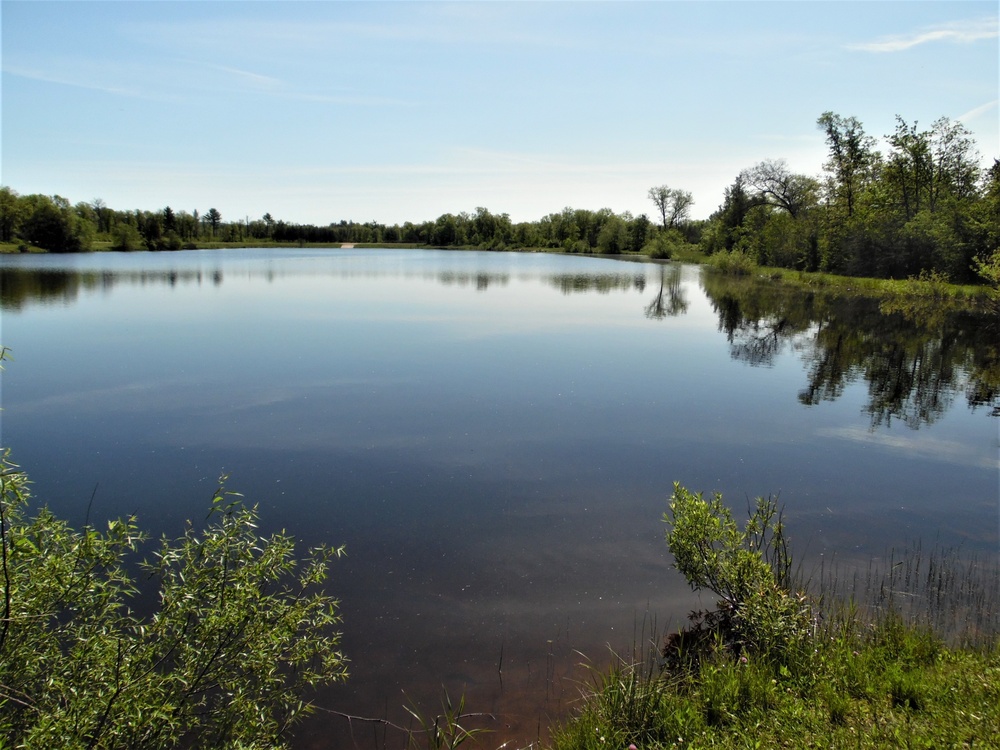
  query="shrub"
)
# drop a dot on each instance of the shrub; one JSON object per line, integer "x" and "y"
{"x": 240, "y": 632}
{"x": 735, "y": 263}
{"x": 749, "y": 569}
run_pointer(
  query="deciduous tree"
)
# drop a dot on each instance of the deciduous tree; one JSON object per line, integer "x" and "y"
{"x": 852, "y": 156}
{"x": 673, "y": 204}
{"x": 776, "y": 184}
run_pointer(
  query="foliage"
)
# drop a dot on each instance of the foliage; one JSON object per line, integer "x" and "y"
{"x": 239, "y": 633}
{"x": 860, "y": 677}
{"x": 733, "y": 262}
{"x": 989, "y": 269}
{"x": 444, "y": 731}
{"x": 126, "y": 238}
{"x": 749, "y": 569}
{"x": 922, "y": 204}
{"x": 664, "y": 245}
{"x": 51, "y": 224}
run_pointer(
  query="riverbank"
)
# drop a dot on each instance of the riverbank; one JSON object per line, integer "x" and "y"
{"x": 907, "y": 655}
{"x": 866, "y": 685}
{"x": 927, "y": 287}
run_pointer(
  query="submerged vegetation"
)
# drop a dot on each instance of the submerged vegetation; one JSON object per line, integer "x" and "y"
{"x": 780, "y": 663}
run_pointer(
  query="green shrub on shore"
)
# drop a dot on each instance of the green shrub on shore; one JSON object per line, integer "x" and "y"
{"x": 860, "y": 674}
{"x": 240, "y": 632}
{"x": 734, "y": 263}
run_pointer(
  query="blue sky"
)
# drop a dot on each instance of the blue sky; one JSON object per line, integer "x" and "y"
{"x": 321, "y": 111}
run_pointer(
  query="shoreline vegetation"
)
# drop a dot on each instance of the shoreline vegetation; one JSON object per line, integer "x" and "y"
{"x": 904, "y": 655}
{"x": 920, "y": 204}
{"x": 927, "y": 286}
{"x": 908, "y": 656}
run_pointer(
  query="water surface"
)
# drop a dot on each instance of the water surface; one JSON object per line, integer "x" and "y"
{"x": 493, "y": 436}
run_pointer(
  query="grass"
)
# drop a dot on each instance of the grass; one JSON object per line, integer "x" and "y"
{"x": 905, "y": 655}
{"x": 880, "y": 684}
{"x": 930, "y": 287}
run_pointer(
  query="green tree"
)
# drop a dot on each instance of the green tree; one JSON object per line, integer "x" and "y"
{"x": 640, "y": 229}
{"x": 152, "y": 230}
{"x": 909, "y": 168}
{"x": 126, "y": 237}
{"x": 985, "y": 225}
{"x": 852, "y": 157}
{"x": 104, "y": 215}
{"x": 777, "y": 185}
{"x": 11, "y": 211}
{"x": 725, "y": 224}
{"x": 241, "y": 631}
{"x": 51, "y": 224}
{"x": 488, "y": 231}
{"x": 955, "y": 162}
{"x": 674, "y": 205}
{"x": 613, "y": 237}
{"x": 214, "y": 218}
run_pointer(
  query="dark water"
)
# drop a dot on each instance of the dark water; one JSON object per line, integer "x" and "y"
{"x": 493, "y": 436}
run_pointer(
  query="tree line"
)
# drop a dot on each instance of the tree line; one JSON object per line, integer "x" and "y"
{"x": 52, "y": 223}
{"x": 922, "y": 205}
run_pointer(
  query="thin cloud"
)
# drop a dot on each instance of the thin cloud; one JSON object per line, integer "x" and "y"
{"x": 982, "y": 109}
{"x": 949, "y": 451}
{"x": 255, "y": 79}
{"x": 960, "y": 32}
{"x": 40, "y": 75}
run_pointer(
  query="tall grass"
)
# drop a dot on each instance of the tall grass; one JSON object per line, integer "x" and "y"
{"x": 902, "y": 653}
{"x": 956, "y": 598}
{"x": 733, "y": 263}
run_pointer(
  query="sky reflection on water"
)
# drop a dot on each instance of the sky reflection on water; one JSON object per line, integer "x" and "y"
{"x": 493, "y": 436}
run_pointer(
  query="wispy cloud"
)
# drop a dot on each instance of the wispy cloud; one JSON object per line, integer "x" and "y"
{"x": 922, "y": 446}
{"x": 975, "y": 112}
{"x": 68, "y": 80}
{"x": 254, "y": 79}
{"x": 959, "y": 32}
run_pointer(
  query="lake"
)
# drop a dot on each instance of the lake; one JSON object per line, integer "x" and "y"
{"x": 494, "y": 437}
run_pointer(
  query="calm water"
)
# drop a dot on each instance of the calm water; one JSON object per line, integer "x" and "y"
{"x": 493, "y": 436}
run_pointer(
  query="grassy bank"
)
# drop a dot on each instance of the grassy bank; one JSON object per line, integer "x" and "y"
{"x": 926, "y": 286}
{"x": 904, "y": 657}
{"x": 866, "y": 685}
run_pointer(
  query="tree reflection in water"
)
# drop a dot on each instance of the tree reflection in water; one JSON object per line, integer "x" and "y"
{"x": 915, "y": 355}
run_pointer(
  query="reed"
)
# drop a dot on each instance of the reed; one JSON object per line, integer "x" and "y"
{"x": 955, "y": 596}
{"x": 903, "y": 652}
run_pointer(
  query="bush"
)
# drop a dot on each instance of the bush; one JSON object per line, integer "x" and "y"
{"x": 659, "y": 248}
{"x": 734, "y": 262}
{"x": 749, "y": 569}
{"x": 239, "y": 634}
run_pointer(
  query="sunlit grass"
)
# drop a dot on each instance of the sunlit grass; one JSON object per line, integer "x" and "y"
{"x": 905, "y": 654}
